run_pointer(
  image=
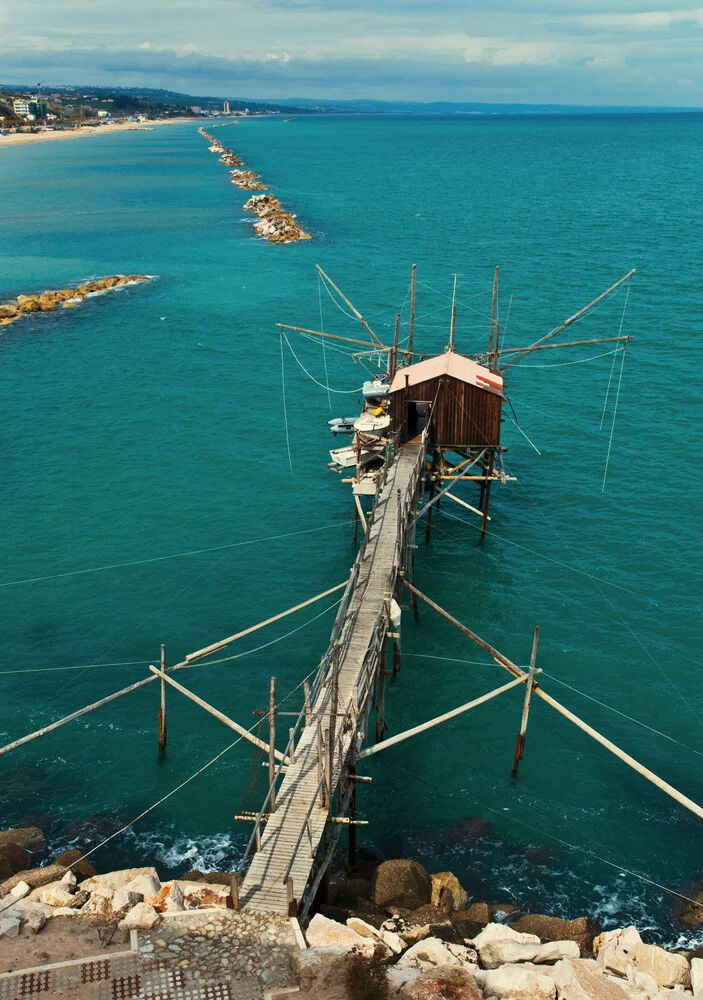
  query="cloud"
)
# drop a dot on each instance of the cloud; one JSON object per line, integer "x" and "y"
{"x": 652, "y": 20}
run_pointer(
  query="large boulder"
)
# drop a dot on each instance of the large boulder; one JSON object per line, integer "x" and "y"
{"x": 9, "y": 927}
{"x": 57, "y": 894}
{"x": 321, "y": 968}
{"x": 582, "y": 930}
{"x": 145, "y": 885}
{"x": 402, "y": 883}
{"x": 386, "y": 937}
{"x": 447, "y": 892}
{"x": 517, "y": 983}
{"x": 477, "y": 913}
{"x": 116, "y": 880}
{"x": 499, "y": 945}
{"x": 140, "y": 917}
{"x": 34, "y": 877}
{"x": 431, "y": 953}
{"x": 555, "y": 951}
{"x": 29, "y": 837}
{"x": 169, "y": 898}
{"x": 323, "y": 932}
{"x": 583, "y": 980}
{"x": 697, "y": 976}
{"x": 80, "y": 866}
{"x": 667, "y": 969}
{"x": 16, "y": 857}
{"x": 615, "y": 950}
{"x": 441, "y": 984}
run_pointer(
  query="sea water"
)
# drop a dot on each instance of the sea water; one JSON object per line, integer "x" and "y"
{"x": 155, "y": 489}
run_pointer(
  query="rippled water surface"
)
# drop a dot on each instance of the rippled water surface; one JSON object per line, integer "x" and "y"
{"x": 149, "y": 423}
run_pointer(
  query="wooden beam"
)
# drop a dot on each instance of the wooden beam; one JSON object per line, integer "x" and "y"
{"x": 332, "y": 336}
{"x": 571, "y": 343}
{"x": 570, "y": 320}
{"x": 191, "y": 657}
{"x": 467, "y": 505}
{"x": 360, "y": 512}
{"x": 447, "y": 488}
{"x": 520, "y": 744}
{"x": 392, "y": 740}
{"x": 218, "y": 715}
{"x": 350, "y": 304}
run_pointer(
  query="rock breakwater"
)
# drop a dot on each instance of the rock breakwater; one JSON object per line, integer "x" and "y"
{"x": 275, "y": 224}
{"x": 66, "y": 298}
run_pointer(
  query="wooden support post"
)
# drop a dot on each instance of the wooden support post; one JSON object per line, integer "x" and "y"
{"x": 487, "y": 496}
{"x": 321, "y": 779}
{"x": 396, "y": 658}
{"x": 272, "y": 745}
{"x": 325, "y": 883}
{"x": 162, "y": 706}
{"x": 234, "y": 891}
{"x": 356, "y": 523}
{"x": 308, "y": 706}
{"x": 411, "y": 324}
{"x": 292, "y": 903}
{"x": 380, "y": 719}
{"x": 352, "y": 817}
{"x": 291, "y": 740}
{"x": 428, "y": 529}
{"x": 520, "y": 744}
{"x": 394, "y": 352}
{"x": 334, "y": 709}
{"x": 258, "y": 837}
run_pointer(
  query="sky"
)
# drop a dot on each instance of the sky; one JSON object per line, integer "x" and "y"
{"x": 594, "y": 52}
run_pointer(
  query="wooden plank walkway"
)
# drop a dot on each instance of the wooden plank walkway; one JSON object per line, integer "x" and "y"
{"x": 289, "y": 842}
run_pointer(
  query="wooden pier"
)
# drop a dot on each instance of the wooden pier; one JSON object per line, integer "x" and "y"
{"x": 311, "y": 802}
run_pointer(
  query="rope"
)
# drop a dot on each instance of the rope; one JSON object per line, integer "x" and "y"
{"x": 505, "y": 327}
{"x": 322, "y": 330}
{"x": 285, "y": 408}
{"x": 176, "y": 555}
{"x": 349, "y": 315}
{"x": 81, "y": 666}
{"x": 612, "y": 429}
{"x": 342, "y": 392}
{"x": 612, "y": 367}
{"x": 582, "y": 361}
{"x": 516, "y": 424}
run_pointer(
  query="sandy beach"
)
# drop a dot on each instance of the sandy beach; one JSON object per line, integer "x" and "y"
{"x": 21, "y": 139}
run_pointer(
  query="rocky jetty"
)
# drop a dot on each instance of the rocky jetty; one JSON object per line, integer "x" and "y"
{"x": 247, "y": 180}
{"x": 275, "y": 224}
{"x": 67, "y": 298}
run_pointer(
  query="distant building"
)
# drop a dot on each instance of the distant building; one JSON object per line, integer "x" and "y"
{"x": 195, "y": 109}
{"x": 102, "y": 113}
{"x": 225, "y": 107}
{"x": 29, "y": 108}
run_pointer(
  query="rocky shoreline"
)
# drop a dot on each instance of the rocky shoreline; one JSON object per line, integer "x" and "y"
{"x": 275, "y": 223}
{"x": 393, "y": 931}
{"x": 67, "y": 298}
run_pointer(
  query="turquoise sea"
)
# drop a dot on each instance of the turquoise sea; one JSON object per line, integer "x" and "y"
{"x": 149, "y": 424}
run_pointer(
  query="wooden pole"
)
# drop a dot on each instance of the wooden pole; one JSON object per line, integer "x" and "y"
{"x": 356, "y": 523}
{"x": 392, "y": 740}
{"x": 380, "y": 719}
{"x": 162, "y": 706}
{"x": 219, "y": 715}
{"x": 352, "y": 816}
{"x": 452, "y": 325}
{"x": 491, "y": 329}
{"x": 234, "y": 891}
{"x": 308, "y": 706}
{"x": 487, "y": 496}
{"x": 520, "y": 744}
{"x": 570, "y": 320}
{"x": 272, "y": 745}
{"x": 332, "y": 336}
{"x": 351, "y": 305}
{"x": 396, "y": 658}
{"x": 411, "y": 324}
{"x": 571, "y": 343}
{"x": 394, "y": 352}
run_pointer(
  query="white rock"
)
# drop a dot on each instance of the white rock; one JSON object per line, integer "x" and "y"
{"x": 9, "y": 927}
{"x": 400, "y": 977}
{"x": 32, "y": 915}
{"x": 409, "y": 933}
{"x": 146, "y": 885}
{"x": 321, "y": 968}
{"x": 140, "y": 917}
{"x": 175, "y": 902}
{"x": 499, "y": 945}
{"x": 64, "y": 911}
{"x": 69, "y": 880}
{"x": 667, "y": 969}
{"x": 391, "y": 940}
{"x": 554, "y": 951}
{"x": 615, "y": 950}
{"x": 100, "y": 903}
{"x": 697, "y": 976}
{"x": 578, "y": 979}
{"x": 125, "y": 900}
{"x": 57, "y": 895}
{"x": 517, "y": 983}
{"x": 116, "y": 880}
{"x": 431, "y": 953}
{"x": 20, "y": 890}
{"x": 323, "y": 932}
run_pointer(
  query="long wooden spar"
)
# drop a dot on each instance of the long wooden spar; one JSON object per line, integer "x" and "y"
{"x": 569, "y": 321}
{"x": 189, "y": 660}
{"x": 516, "y": 671}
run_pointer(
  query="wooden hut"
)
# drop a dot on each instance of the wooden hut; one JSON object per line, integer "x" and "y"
{"x": 458, "y": 400}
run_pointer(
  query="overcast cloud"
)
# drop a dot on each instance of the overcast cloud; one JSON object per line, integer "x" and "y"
{"x": 572, "y": 52}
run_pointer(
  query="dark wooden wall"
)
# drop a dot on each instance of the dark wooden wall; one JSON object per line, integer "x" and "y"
{"x": 464, "y": 415}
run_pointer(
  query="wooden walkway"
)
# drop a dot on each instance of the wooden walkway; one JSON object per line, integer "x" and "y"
{"x": 294, "y": 832}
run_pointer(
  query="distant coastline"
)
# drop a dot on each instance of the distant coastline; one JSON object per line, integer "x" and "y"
{"x": 22, "y": 138}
